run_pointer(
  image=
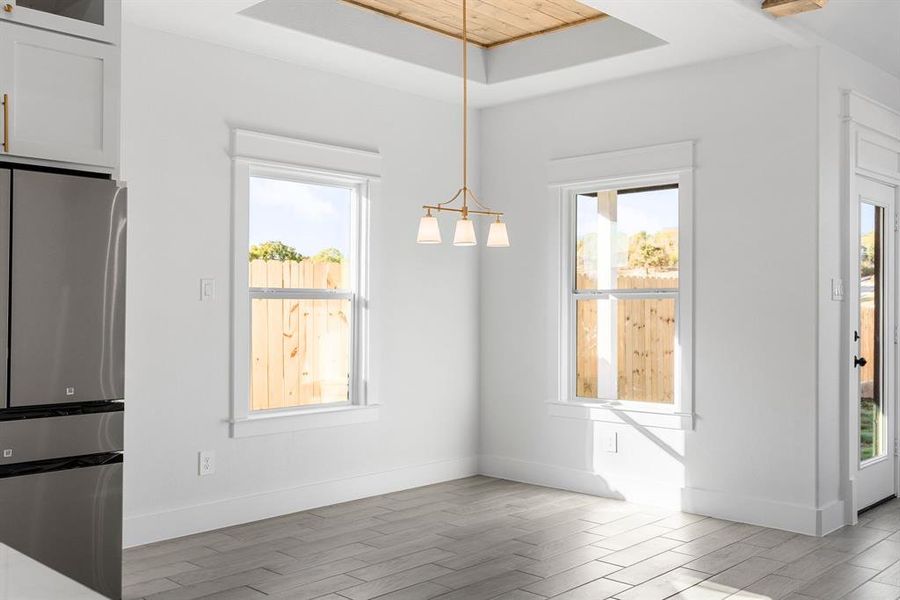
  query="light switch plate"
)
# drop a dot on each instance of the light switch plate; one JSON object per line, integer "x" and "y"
{"x": 837, "y": 290}
{"x": 207, "y": 289}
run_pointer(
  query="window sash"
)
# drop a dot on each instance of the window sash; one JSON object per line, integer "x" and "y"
{"x": 301, "y": 294}
{"x": 355, "y": 257}
{"x": 312, "y": 294}
{"x": 573, "y": 343}
{"x": 633, "y": 293}
{"x": 575, "y": 294}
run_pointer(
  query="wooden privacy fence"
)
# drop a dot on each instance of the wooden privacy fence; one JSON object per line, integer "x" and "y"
{"x": 300, "y": 349}
{"x": 645, "y": 344}
{"x": 867, "y": 332}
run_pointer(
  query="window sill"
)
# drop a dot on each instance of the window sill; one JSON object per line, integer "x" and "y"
{"x": 609, "y": 412}
{"x": 302, "y": 419}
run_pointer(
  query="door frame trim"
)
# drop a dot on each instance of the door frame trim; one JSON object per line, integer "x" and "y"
{"x": 865, "y": 122}
{"x": 889, "y": 315}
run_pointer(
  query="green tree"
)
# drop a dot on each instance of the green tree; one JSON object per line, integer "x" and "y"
{"x": 867, "y": 254}
{"x": 274, "y": 250}
{"x": 656, "y": 252}
{"x": 332, "y": 255}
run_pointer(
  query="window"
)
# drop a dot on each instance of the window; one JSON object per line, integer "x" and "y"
{"x": 300, "y": 300}
{"x": 302, "y": 294}
{"x": 626, "y": 286}
{"x": 626, "y": 293}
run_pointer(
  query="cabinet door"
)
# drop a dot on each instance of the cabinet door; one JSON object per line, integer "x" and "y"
{"x": 92, "y": 19}
{"x": 63, "y": 96}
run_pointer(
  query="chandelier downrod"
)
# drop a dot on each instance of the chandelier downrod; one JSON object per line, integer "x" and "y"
{"x": 465, "y": 61}
{"x": 429, "y": 231}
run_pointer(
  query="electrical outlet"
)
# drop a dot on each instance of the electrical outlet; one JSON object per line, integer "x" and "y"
{"x": 207, "y": 462}
{"x": 611, "y": 441}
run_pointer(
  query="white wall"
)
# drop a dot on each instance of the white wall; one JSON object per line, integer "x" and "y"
{"x": 752, "y": 454}
{"x": 449, "y": 324}
{"x": 182, "y": 97}
{"x": 838, "y": 71}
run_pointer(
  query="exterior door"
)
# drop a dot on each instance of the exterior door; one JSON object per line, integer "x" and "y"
{"x": 874, "y": 343}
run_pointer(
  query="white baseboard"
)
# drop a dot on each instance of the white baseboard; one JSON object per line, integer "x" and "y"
{"x": 143, "y": 529}
{"x": 752, "y": 510}
{"x": 831, "y": 517}
{"x": 578, "y": 480}
{"x": 745, "y": 509}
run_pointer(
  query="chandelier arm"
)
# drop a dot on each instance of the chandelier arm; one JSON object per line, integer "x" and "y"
{"x": 471, "y": 211}
{"x": 478, "y": 202}
{"x": 455, "y": 196}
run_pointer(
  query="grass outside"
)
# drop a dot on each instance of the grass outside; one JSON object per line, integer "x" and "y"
{"x": 868, "y": 429}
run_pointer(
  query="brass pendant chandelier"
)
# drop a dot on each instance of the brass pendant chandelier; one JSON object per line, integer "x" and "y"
{"x": 429, "y": 231}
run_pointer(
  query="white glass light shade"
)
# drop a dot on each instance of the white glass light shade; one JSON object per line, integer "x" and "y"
{"x": 497, "y": 236}
{"x": 465, "y": 233}
{"x": 429, "y": 232}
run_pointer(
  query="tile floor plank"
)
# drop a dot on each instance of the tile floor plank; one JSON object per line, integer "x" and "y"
{"x": 567, "y": 580}
{"x": 480, "y": 538}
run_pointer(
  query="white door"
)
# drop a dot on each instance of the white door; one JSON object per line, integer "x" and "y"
{"x": 873, "y": 343}
{"x": 62, "y": 96}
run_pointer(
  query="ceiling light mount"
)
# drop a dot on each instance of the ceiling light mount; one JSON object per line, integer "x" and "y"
{"x": 429, "y": 232}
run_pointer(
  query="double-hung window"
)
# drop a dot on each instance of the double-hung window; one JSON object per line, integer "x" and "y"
{"x": 300, "y": 293}
{"x": 302, "y": 267}
{"x": 625, "y": 295}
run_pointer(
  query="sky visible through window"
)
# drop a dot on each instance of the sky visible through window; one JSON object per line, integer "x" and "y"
{"x": 308, "y": 217}
{"x": 649, "y": 211}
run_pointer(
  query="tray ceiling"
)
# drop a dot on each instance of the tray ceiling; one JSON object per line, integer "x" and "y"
{"x": 491, "y": 22}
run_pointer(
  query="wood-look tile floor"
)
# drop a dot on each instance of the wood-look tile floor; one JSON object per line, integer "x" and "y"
{"x": 481, "y": 538}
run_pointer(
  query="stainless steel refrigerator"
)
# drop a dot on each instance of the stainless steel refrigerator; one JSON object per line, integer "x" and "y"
{"x": 62, "y": 335}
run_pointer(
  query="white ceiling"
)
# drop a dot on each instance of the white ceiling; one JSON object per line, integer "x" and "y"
{"x": 643, "y": 36}
{"x": 868, "y": 28}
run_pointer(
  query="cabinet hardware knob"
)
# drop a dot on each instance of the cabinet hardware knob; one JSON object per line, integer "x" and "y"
{"x": 859, "y": 361}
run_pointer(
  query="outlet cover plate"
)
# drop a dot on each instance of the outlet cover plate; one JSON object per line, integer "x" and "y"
{"x": 611, "y": 441}
{"x": 207, "y": 465}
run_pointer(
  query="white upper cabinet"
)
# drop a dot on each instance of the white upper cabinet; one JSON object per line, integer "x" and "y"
{"x": 62, "y": 96}
{"x": 92, "y": 19}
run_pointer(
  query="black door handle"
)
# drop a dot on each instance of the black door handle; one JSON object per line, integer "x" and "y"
{"x": 859, "y": 361}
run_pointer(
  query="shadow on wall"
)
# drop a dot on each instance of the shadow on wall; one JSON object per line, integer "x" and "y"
{"x": 651, "y": 471}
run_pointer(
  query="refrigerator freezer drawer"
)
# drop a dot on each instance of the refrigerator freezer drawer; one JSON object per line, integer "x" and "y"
{"x": 67, "y": 287}
{"x": 70, "y": 520}
{"x": 28, "y": 440}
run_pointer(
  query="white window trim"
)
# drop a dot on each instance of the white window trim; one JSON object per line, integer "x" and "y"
{"x": 656, "y": 165}
{"x": 256, "y": 153}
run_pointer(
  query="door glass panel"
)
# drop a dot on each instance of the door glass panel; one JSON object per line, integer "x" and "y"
{"x": 871, "y": 407}
{"x": 90, "y": 11}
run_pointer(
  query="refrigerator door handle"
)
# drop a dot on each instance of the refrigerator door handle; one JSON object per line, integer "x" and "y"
{"x": 5, "y": 242}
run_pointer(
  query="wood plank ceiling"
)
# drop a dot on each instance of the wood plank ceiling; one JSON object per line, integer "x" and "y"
{"x": 491, "y": 22}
